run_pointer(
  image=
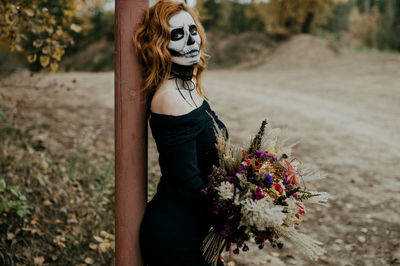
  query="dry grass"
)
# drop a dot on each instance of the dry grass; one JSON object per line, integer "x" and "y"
{"x": 67, "y": 217}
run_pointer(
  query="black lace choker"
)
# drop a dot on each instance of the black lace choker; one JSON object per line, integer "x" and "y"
{"x": 182, "y": 72}
{"x": 185, "y": 73}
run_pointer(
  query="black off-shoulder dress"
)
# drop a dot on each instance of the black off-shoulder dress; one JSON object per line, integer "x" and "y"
{"x": 178, "y": 217}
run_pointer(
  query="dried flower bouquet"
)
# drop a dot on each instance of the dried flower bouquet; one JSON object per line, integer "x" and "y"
{"x": 259, "y": 192}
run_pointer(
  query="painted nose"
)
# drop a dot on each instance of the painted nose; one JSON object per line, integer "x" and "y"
{"x": 190, "y": 40}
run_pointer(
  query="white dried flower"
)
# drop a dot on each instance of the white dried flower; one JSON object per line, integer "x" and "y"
{"x": 301, "y": 242}
{"x": 225, "y": 190}
{"x": 278, "y": 140}
{"x": 291, "y": 211}
{"x": 242, "y": 179}
{"x": 261, "y": 213}
{"x": 270, "y": 139}
{"x": 236, "y": 199}
{"x": 310, "y": 173}
{"x": 321, "y": 199}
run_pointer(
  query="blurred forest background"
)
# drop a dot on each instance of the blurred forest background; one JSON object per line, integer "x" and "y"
{"x": 238, "y": 31}
{"x": 57, "y": 135}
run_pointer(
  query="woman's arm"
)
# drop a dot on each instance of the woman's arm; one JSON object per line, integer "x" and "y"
{"x": 182, "y": 167}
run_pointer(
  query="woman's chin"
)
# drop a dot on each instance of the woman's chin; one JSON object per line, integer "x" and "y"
{"x": 187, "y": 61}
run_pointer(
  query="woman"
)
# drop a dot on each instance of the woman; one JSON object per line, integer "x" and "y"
{"x": 170, "y": 45}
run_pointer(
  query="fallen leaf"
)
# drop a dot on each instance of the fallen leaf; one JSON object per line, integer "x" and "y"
{"x": 98, "y": 239}
{"x": 89, "y": 260}
{"x": 10, "y": 236}
{"x": 38, "y": 260}
{"x": 104, "y": 246}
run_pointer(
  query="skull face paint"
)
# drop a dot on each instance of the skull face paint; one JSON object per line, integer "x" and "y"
{"x": 185, "y": 42}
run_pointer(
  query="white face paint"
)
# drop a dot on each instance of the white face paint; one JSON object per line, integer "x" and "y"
{"x": 185, "y": 42}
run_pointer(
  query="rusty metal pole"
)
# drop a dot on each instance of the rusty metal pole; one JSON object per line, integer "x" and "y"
{"x": 130, "y": 136}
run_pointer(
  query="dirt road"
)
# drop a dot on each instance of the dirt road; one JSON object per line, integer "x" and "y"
{"x": 347, "y": 113}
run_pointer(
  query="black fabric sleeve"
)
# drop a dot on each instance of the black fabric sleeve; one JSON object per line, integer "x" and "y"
{"x": 181, "y": 164}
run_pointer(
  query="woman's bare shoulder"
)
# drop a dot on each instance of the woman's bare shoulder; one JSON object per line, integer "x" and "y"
{"x": 167, "y": 100}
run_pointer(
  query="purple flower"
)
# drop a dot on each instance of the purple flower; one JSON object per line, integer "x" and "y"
{"x": 280, "y": 245}
{"x": 241, "y": 169}
{"x": 286, "y": 181}
{"x": 212, "y": 187}
{"x": 262, "y": 153}
{"x": 223, "y": 233}
{"x": 245, "y": 248}
{"x": 267, "y": 180}
{"x": 231, "y": 179}
{"x": 204, "y": 191}
{"x": 257, "y": 194}
{"x": 239, "y": 245}
{"x": 236, "y": 251}
{"x": 216, "y": 210}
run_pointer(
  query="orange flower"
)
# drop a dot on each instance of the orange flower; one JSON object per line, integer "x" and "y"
{"x": 293, "y": 176}
{"x": 301, "y": 208}
{"x": 254, "y": 161}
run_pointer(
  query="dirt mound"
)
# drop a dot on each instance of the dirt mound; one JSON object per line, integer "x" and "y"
{"x": 245, "y": 50}
{"x": 301, "y": 50}
{"x": 96, "y": 57}
{"x": 251, "y": 50}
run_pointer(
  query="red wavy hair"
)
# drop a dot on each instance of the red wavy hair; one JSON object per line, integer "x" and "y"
{"x": 151, "y": 38}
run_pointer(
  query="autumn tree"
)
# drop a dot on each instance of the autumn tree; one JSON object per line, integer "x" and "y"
{"x": 375, "y": 24}
{"x": 209, "y": 12}
{"x": 286, "y": 17}
{"x": 228, "y": 16}
{"x": 39, "y": 29}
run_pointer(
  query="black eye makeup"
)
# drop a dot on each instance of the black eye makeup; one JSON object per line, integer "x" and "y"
{"x": 193, "y": 29}
{"x": 177, "y": 34}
